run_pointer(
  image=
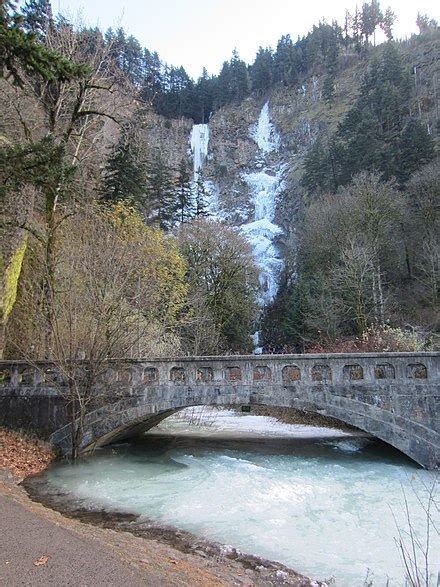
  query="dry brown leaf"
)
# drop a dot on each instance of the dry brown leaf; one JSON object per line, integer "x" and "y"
{"x": 41, "y": 561}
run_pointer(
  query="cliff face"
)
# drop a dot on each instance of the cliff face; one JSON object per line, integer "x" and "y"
{"x": 250, "y": 156}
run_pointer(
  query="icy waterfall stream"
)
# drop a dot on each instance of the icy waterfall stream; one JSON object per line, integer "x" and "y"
{"x": 265, "y": 182}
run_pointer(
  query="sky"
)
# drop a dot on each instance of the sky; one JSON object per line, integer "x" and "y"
{"x": 203, "y": 33}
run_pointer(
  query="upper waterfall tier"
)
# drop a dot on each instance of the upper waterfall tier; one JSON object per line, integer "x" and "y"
{"x": 199, "y": 146}
{"x": 264, "y": 133}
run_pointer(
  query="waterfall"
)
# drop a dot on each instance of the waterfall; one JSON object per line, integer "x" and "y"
{"x": 265, "y": 183}
{"x": 199, "y": 141}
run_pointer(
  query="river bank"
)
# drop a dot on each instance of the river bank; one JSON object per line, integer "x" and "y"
{"x": 41, "y": 546}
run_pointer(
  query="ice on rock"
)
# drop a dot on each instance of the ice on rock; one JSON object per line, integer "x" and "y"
{"x": 265, "y": 184}
{"x": 264, "y": 133}
{"x": 199, "y": 141}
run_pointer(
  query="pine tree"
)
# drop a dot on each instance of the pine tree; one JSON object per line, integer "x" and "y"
{"x": 389, "y": 18}
{"x": 124, "y": 174}
{"x": 19, "y": 49}
{"x": 37, "y": 17}
{"x": 285, "y": 63}
{"x": 161, "y": 192}
{"x": 318, "y": 176}
{"x": 262, "y": 71}
{"x": 416, "y": 148}
{"x": 200, "y": 207}
{"x": 185, "y": 199}
{"x": 239, "y": 78}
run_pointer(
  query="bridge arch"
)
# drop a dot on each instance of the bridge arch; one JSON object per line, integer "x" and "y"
{"x": 393, "y": 396}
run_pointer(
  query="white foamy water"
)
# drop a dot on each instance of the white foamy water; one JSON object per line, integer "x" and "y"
{"x": 320, "y": 501}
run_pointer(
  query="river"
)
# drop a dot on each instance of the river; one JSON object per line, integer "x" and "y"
{"x": 324, "y": 502}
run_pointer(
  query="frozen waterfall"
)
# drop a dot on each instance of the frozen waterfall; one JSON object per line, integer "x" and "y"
{"x": 264, "y": 133}
{"x": 265, "y": 185}
{"x": 199, "y": 141}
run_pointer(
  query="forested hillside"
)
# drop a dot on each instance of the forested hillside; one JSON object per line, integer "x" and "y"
{"x": 112, "y": 245}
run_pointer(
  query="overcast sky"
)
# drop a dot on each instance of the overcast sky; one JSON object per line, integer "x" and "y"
{"x": 198, "y": 33}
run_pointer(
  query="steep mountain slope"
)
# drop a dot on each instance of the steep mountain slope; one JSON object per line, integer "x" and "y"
{"x": 249, "y": 159}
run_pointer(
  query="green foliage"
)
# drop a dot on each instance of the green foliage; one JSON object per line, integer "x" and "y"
{"x": 376, "y": 134}
{"x": 222, "y": 279}
{"x": 124, "y": 173}
{"x": 161, "y": 202}
{"x": 21, "y": 51}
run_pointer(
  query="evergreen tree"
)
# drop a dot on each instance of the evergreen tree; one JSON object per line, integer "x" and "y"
{"x": 416, "y": 148}
{"x": 203, "y": 98}
{"x": 371, "y": 17}
{"x": 161, "y": 192}
{"x": 239, "y": 78}
{"x": 317, "y": 175}
{"x": 200, "y": 207}
{"x": 151, "y": 84}
{"x": 124, "y": 174}
{"x": 19, "y": 48}
{"x": 185, "y": 201}
{"x": 285, "y": 63}
{"x": 389, "y": 18}
{"x": 262, "y": 71}
{"x": 37, "y": 17}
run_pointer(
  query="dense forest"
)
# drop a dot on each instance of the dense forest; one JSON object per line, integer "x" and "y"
{"x": 108, "y": 249}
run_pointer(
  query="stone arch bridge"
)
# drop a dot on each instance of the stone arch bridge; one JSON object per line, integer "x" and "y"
{"x": 393, "y": 396}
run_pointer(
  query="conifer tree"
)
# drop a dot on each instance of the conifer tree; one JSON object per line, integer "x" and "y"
{"x": 37, "y": 16}
{"x": 124, "y": 174}
{"x": 161, "y": 192}
{"x": 200, "y": 207}
{"x": 317, "y": 168}
{"x": 262, "y": 70}
{"x": 416, "y": 148}
{"x": 185, "y": 201}
{"x": 389, "y": 18}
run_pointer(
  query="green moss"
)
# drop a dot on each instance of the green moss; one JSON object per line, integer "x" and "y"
{"x": 11, "y": 277}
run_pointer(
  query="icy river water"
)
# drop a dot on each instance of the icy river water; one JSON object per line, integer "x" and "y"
{"x": 321, "y": 501}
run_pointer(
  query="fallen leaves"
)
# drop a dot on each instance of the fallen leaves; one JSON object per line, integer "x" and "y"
{"x": 23, "y": 456}
{"x": 41, "y": 561}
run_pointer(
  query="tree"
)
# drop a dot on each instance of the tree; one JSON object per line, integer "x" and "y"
{"x": 124, "y": 173}
{"x": 317, "y": 177}
{"x": 285, "y": 62}
{"x": 21, "y": 54}
{"x": 161, "y": 201}
{"x": 422, "y": 229}
{"x": 37, "y": 17}
{"x": 185, "y": 200}
{"x": 416, "y": 148}
{"x": 66, "y": 108}
{"x": 200, "y": 207}
{"x": 371, "y": 18}
{"x": 389, "y": 18}
{"x": 425, "y": 23}
{"x": 262, "y": 71}
{"x": 121, "y": 285}
{"x": 221, "y": 272}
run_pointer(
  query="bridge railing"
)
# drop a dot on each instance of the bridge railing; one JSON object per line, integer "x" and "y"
{"x": 256, "y": 370}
